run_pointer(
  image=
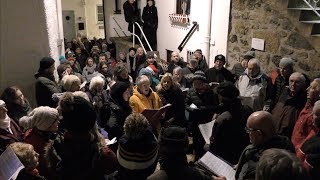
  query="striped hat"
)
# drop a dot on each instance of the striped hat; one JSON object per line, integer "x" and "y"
{"x": 138, "y": 147}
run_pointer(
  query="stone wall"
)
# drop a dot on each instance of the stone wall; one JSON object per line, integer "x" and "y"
{"x": 284, "y": 35}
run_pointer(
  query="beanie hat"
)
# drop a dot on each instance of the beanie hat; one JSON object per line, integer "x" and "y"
{"x": 249, "y": 55}
{"x": 78, "y": 114}
{"x": 227, "y": 89}
{"x": 138, "y": 148}
{"x": 146, "y": 71}
{"x": 221, "y": 58}
{"x": 46, "y": 63}
{"x": 118, "y": 89}
{"x": 173, "y": 140}
{"x": 199, "y": 75}
{"x": 150, "y": 54}
{"x": 41, "y": 117}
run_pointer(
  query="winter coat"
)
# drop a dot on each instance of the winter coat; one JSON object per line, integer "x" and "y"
{"x": 139, "y": 102}
{"x": 186, "y": 173}
{"x": 251, "y": 154}
{"x": 7, "y": 138}
{"x": 222, "y": 75}
{"x": 286, "y": 111}
{"x": 203, "y": 66}
{"x": 16, "y": 111}
{"x": 89, "y": 72}
{"x": 172, "y": 65}
{"x": 255, "y": 92}
{"x": 150, "y": 25}
{"x": 24, "y": 175}
{"x": 79, "y": 157}
{"x": 131, "y": 14}
{"x": 238, "y": 70}
{"x": 176, "y": 112}
{"x": 45, "y": 88}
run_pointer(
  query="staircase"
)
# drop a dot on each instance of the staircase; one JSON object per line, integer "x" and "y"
{"x": 309, "y": 13}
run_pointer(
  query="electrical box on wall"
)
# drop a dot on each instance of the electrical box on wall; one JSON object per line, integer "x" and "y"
{"x": 81, "y": 26}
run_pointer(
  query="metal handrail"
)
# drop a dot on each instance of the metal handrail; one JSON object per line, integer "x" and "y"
{"x": 119, "y": 27}
{"x": 144, "y": 49}
{"x": 116, "y": 32}
{"x": 313, "y": 8}
{"x": 142, "y": 34}
{"x": 187, "y": 37}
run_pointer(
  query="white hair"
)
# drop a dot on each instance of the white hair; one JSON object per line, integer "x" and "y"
{"x": 141, "y": 80}
{"x": 300, "y": 75}
{"x": 96, "y": 81}
{"x": 177, "y": 69}
{"x": 81, "y": 94}
{"x": 69, "y": 80}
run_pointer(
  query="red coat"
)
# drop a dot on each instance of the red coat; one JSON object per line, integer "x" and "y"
{"x": 7, "y": 138}
{"x": 304, "y": 128}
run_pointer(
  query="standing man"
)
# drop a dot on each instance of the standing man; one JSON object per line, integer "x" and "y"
{"x": 131, "y": 15}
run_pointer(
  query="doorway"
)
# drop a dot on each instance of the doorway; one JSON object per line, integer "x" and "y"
{"x": 69, "y": 28}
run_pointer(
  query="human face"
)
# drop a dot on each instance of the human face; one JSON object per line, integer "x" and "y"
{"x": 166, "y": 83}
{"x": 285, "y": 71}
{"x": 316, "y": 116}
{"x": 218, "y": 64}
{"x": 199, "y": 56}
{"x": 131, "y": 1}
{"x": 255, "y": 134}
{"x": 126, "y": 95}
{"x": 177, "y": 76}
{"x": 253, "y": 69}
{"x": 3, "y": 112}
{"x": 296, "y": 84}
{"x": 313, "y": 92}
{"x": 104, "y": 68}
{"x": 132, "y": 53}
{"x": 199, "y": 86}
{"x": 244, "y": 63}
{"x": 102, "y": 59}
{"x": 124, "y": 74}
{"x": 150, "y": 3}
{"x": 99, "y": 88}
{"x": 193, "y": 64}
{"x": 90, "y": 62}
{"x": 19, "y": 98}
{"x": 71, "y": 62}
{"x": 140, "y": 51}
{"x": 121, "y": 56}
{"x": 175, "y": 57}
{"x": 69, "y": 69}
{"x": 145, "y": 88}
{"x": 78, "y": 51}
{"x": 150, "y": 60}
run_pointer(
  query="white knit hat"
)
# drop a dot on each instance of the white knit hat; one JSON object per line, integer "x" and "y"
{"x": 42, "y": 118}
{"x": 2, "y": 103}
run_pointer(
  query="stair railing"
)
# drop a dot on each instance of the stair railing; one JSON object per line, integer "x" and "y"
{"x": 144, "y": 36}
{"x": 185, "y": 39}
{"x": 144, "y": 49}
{"x": 313, "y": 7}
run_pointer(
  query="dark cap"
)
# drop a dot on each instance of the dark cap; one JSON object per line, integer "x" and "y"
{"x": 220, "y": 57}
{"x": 227, "y": 89}
{"x": 150, "y": 54}
{"x": 46, "y": 63}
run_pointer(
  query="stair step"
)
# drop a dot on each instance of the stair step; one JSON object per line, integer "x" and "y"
{"x": 309, "y": 16}
{"x": 315, "y": 30}
{"x": 311, "y": 22}
{"x": 300, "y": 5}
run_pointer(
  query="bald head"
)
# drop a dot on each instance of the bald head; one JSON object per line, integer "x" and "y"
{"x": 175, "y": 56}
{"x": 297, "y": 83}
{"x": 261, "y": 124}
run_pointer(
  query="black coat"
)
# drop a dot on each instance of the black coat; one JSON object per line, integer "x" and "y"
{"x": 45, "y": 88}
{"x": 214, "y": 75}
{"x": 131, "y": 14}
{"x": 150, "y": 25}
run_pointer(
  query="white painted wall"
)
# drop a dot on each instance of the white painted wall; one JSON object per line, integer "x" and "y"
{"x": 85, "y": 12}
{"x": 29, "y": 31}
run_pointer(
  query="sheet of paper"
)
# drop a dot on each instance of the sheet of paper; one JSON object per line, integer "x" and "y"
{"x": 257, "y": 44}
{"x": 193, "y": 106}
{"x": 112, "y": 141}
{"x": 10, "y": 164}
{"x": 206, "y": 130}
{"x": 218, "y": 166}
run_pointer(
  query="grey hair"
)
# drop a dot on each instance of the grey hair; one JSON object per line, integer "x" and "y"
{"x": 286, "y": 62}
{"x": 255, "y": 61}
{"x": 142, "y": 79}
{"x": 95, "y": 81}
{"x": 317, "y": 104}
{"x": 300, "y": 75}
{"x": 177, "y": 69}
{"x": 69, "y": 80}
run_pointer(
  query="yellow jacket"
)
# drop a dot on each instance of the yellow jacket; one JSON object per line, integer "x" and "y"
{"x": 139, "y": 102}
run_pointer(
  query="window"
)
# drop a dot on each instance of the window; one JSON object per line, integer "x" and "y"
{"x": 183, "y": 7}
{"x": 99, "y": 14}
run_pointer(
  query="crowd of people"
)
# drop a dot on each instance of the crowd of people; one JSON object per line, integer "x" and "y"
{"x": 267, "y": 128}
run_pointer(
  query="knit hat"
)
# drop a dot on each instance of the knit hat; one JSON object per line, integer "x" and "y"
{"x": 150, "y": 54}
{"x": 78, "y": 114}
{"x": 41, "y": 117}
{"x": 146, "y": 71}
{"x": 2, "y": 103}
{"x": 227, "y": 89}
{"x": 118, "y": 89}
{"x": 199, "y": 75}
{"x": 173, "y": 140}
{"x": 45, "y": 63}
{"x": 138, "y": 148}
{"x": 249, "y": 55}
{"x": 221, "y": 58}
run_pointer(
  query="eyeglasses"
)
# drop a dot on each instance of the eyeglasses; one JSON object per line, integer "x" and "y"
{"x": 250, "y": 130}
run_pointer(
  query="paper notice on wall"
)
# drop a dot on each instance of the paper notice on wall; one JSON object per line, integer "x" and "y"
{"x": 258, "y": 44}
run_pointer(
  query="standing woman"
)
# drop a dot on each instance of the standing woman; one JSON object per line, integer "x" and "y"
{"x": 170, "y": 93}
{"x": 17, "y": 105}
{"x": 150, "y": 25}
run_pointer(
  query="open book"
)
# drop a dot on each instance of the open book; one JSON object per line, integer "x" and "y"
{"x": 10, "y": 165}
{"x": 154, "y": 115}
{"x": 216, "y": 166}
